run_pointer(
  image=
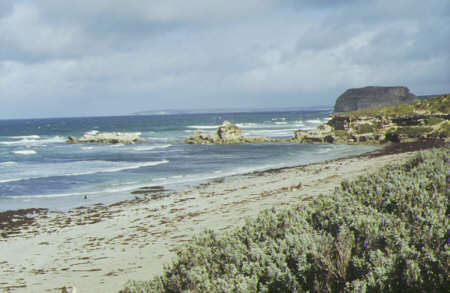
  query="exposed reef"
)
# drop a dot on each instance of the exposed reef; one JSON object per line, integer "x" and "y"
{"x": 107, "y": 138}
{"x": 227, "y": 133}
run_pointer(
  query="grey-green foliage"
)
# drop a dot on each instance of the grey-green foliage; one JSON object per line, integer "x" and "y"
{"x": 385, "y": 232}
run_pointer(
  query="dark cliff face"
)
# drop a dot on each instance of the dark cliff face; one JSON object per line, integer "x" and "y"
{"x": 372, "y": 96}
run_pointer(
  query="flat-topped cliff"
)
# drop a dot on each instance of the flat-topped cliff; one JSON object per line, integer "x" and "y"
{"x": 373, "y": 96}
{"x": 424, "y": 119}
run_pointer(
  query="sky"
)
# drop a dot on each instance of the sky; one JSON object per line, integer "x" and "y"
{"x": 63, "y": 58}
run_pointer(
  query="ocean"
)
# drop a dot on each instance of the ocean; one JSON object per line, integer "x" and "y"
{"x": 39, "y": 170}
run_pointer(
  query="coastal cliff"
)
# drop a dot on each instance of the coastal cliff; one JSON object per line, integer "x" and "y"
{"x": 373, "y": 96}
{"x": 424, "y": 119}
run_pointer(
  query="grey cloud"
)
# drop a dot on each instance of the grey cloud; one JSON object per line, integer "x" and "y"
{"x": 57, "y": 55}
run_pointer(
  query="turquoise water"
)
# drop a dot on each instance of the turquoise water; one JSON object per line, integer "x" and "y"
{"x": 38, "y": 169}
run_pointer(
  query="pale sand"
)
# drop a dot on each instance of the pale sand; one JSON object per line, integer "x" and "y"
{"x": 100, "y": 248}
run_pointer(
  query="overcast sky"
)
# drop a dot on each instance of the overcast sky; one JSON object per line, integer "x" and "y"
{"x": 111, "y": 57}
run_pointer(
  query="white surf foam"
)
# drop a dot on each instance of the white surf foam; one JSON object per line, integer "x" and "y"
{"x": 26, "y": 137}
{"x": 67, "y": 169}
{"x": 33, "y": 140}
{"x": 8, "y": 163}
{"x": 91, "y": 132}
{"x": 203, "y": 126}
{"x": 247, "y": 125}
{"x": 316, "y": 121}
{"x": 55, "y": 195}
{"x": 150, "y": 148}
{"x": 25, "y": 152}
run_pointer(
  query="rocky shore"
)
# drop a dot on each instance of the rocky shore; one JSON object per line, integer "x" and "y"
{"x": 107, "y": 138}
{"x": 227, "y": 133}
{"x": 418, "y": 121}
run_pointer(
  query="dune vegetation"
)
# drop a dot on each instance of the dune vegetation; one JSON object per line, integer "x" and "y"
{"x": 384, "y": 232}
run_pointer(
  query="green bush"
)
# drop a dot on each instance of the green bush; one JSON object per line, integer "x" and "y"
{"x": 365, "y": 128}
{"x": 340, "y": 133}
{"x": 413, "y": 131}
{"x": 433, "y": 121}
{"x": 385, "y": 232}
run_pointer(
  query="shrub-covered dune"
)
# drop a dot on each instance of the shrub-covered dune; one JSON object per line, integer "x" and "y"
{"x": 385, "y": 232}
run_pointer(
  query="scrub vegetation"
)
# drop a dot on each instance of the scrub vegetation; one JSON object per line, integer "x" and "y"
{"x": 384, "y": 232}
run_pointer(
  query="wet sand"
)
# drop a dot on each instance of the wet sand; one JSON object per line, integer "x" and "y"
{"x": 97, "y": 249}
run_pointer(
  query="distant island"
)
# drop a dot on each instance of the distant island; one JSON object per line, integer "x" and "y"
{"x": 232, "y": 110}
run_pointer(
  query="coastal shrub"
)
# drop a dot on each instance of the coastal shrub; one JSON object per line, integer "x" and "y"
{"x": 433, "y": 121}
{"x": 340, "y": 133}
{"x": 365, "y": 128}
{"x": 413, "y": 131}
{"x": 444, "y": 130}
{"x": 384, "y": 232}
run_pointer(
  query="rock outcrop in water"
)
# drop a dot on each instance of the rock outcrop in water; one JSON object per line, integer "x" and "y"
{"x": 227, "y": 133}
{"x": 373, "y": 96}
{"x": 107, "y": 138}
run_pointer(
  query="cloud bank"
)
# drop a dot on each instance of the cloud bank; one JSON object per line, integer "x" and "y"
{"x": 79, "y": 58}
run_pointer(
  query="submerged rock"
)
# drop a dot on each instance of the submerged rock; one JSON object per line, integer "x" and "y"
{"x": 107, "y": 138}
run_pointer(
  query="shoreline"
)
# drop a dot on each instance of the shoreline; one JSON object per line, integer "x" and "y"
{"x": 99, "y": 248}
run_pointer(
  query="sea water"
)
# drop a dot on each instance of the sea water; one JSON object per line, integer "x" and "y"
{"x": 38, "y": 169}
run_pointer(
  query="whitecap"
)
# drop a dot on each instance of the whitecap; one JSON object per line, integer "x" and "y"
{"x": 25, "y": 152}
{"x": 149, "y": 148}
{"x": 91, "y": 132}
{"x": 55, "y": 139}
{"x": 203, "y": 126}
{"x": 281, "y": 123}
{"x": 247, "y": 125}
{"x": 34, "y": 140}
{"x": 8, "y": 163}
{"x": 314, "y": 121}
{"x": 26, "y": 137}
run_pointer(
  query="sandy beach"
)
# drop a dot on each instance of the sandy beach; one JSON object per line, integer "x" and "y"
{"x": 97, "y": 249}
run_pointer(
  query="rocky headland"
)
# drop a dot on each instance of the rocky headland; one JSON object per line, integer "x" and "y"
{"x": 373, "y": 96}
{"x": 107, "y": 138}
{"x": 420, "y": 120}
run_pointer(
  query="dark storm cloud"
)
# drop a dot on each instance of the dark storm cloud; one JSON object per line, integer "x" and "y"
{"x": 89, "y": 56}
